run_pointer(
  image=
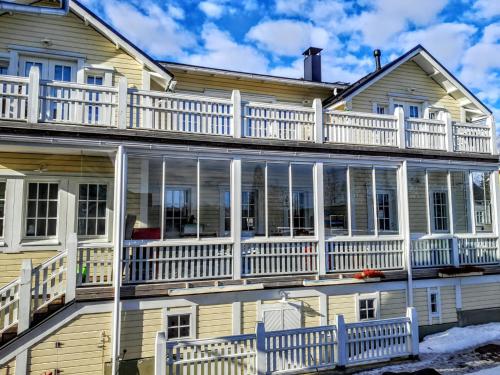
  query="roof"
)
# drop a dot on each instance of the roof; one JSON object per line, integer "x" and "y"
{"x": 429, "y": 64}
{"x": 254, "y": 76}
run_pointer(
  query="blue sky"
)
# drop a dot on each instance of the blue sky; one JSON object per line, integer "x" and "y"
{"x": 269, "y": 36}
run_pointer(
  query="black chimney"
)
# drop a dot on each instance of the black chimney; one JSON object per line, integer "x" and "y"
{"x": 377, "y": 54}
{"x": 312, "y": 64}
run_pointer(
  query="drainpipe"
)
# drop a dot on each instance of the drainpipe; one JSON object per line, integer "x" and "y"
{"x": 28, "y": 9}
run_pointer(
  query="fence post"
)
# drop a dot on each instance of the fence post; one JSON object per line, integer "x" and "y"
{"x": 236, "y": 123}
{"x": 33, "y": 95}
{"x": 160, "y": 354}
{"x": 446, "y": 117}
{"x": 490, "y": 123}
{"x": 71, "y": 245}
{"x": 411, "y": 313}
{"x": 318, "y": 121}
{"x": 400, "y": 119}
{"x": 455, "y": 252}
{"x": 25, "y": 296}
{"x": 340, "y": 348}
{"x": 260, "y": 347}
{"x": 122, "y": 102}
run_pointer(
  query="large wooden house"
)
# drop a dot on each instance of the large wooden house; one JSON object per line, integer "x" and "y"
{"x": 148, "y": 208}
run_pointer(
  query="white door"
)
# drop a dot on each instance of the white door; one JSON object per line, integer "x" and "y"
{"x": 280, "y": 316}
{"x": 26, "y": 63}
{"x": 411, "y": 109}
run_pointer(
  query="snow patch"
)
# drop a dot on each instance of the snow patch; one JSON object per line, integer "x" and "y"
{"x": 488, "y": 371}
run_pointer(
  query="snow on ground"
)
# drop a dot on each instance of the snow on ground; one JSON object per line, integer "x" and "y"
{"x": 488, "y": 371}
{"x": 460, "y": 338}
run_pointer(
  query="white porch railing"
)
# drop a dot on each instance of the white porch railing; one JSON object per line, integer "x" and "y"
{"x": 478, "y": 250}
{"x": 425, "y": 134}
{"x": 49, "y": 281}
{"x": 180, "y": 113}
{"x": 13, "y": 98}
{"x": 433, "y": 252}
{"x": 291, "y": 351}
{"x": 361, "y": 128}
{"x": 176, "y": 263}
{"x": 472, "y": 138}
{"x": 9, "y": 305}
{"x": 276, "y": 121}
{"x": 356, "y": 255}
{"x": 278, "y": 258}
{"x": 94, "y": 266}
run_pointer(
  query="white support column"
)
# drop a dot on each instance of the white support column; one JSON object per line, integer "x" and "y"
{"x": 24, "y": 296}
{"x": 446, "y": 117}
{"x": 122, "y": 102}
{"x": 405, "y": 227}
{"x": 236, "y": 123}
{"x": 490, "y": 122}
{"x": 374, "y": 201}
{"x": 319, "y": 216}
{"x": 33, "y": 95}
{"x": 71, "y": 246}
{"x": 340, "y": 349}
{"x": 22, "y": 363}
{"x": 237, "y": 318}
{"x": 260, "y": 346}
{"x": 323, "y": 309}
{"x": 495, "y": 208}
{"x": 160, "y": 354}
{"x": 119, "y": 204}
{"x": 455, "y": 254}
{"x": 236, "y": 216}
{"x": 411, "y": 312}
{"x": 400, "y": 118}
{"x": 318, "y": 120}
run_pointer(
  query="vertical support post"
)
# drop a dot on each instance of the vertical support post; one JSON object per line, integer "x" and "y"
{"x": 411, "y": 313}
{"x": 490, "y": 123}
{"x": 119, "y": 204}
{"x": 236, "y": 120}
{"x": 495, "y": 207}
{"x": 455, "y": 251}
{"x": 400, "y": 118}
{"x": 24, "y": 296}
{"x": 319, "y": 217}
{"x": 237, "y": 318}
{"x": 340, "y": 349}
{"x": 33, "y": 95}
{"x": 260, "y": 347}
{"x": 122, "y": 102}
{"x": 71, "y": 266}
{"x": 446, "y": 117}
{"x": 405, "y": 228}
{"x": 236, "y": 216}
{"x": 318, "y": 121}
{"x": 160, "y": 354}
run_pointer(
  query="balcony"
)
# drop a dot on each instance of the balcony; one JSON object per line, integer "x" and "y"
{"x": 36, "y": 101}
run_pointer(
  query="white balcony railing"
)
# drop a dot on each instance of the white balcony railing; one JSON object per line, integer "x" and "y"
{"x": 33, "y": 100}
{"x": 432, "y": 252}
{"x": 474, "y": 250}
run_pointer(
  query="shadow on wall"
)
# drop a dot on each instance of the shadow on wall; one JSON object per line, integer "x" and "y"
{"x": 143, "y": 366}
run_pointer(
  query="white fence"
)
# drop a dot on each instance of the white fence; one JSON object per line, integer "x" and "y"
{"x": 472, "y": 138}
{"x": 435, "y": 252}
{"x": 176, "y": 263}
{"x": 479, "y": 250}
{"x": 94, "y": 266}
{"x": 291, "y": 351}
{"x": 425, "y": 134}
{"x": 356, "y": 255}
{"x": 287, "y": 122}
{"x": 361, "y": 128}
{"x": 13, "y": 98}
{"x": 278, "y": 258}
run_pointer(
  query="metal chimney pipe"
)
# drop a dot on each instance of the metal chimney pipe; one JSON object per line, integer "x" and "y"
{"x": 28, "y": 9}
{"x": 377, "y": 55}
{"x": 312, "y": 64}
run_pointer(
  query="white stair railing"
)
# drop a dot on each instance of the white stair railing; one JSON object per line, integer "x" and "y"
{"x": 49, "y": 281}
{"x": 9, "y": 305}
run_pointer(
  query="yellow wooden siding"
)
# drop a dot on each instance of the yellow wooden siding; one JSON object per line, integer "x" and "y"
{"x": 448, "y": 305}
{"x": 9, "y": 368}
{"x": 56, "y": 163}
{"x": 10, "y": 264}
{"x": 248, "y": 317}
{"x": 68, "y": 34}
{"x": 198, "y": 82}
{"x": 392, "y": 304}
{"x": 407, "y": 76}
{"x": 138, "y": 332}
{"x": 480, "y": 296}
{"x": 215, "y": 321}
{"x": 85, "y": 347}
{"x": 342, "y": 304}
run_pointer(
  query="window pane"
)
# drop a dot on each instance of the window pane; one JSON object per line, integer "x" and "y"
{"x": 253, "y": 198}
{"x": 387, "y": 201}
{"x": 41, "y": 205}
{"x": 303, "y": 200}
{"x": 335, "y": 200}
{"x": 278, "y": 201}
{"x": 215, "y": 180}
{"x": 143, "y": 198}
{"x": 482, "y": 201}
{"x": 180, "y": 198}
{"x": 460, "y": 199}
{"x": 417, "y": 201}
{"x": 438, "y": 191}
{"x": 361, "y": 201}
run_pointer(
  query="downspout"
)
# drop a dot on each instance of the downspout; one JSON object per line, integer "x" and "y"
{"x": 28, "y": 9}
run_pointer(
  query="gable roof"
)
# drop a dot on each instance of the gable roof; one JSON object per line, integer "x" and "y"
{"x": 429, "y": 64}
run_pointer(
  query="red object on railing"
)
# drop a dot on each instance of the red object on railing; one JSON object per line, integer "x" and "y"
{"x": 146, "y": 234}
{"x": 368, "y": 274}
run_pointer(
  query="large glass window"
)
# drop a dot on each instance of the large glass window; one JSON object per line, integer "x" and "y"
{"x": 460, "y": 201}
{"x": 2, "y": 206}
{"x": 438, "y": 199}
{"x": 41, "y": 216}
{"x": 92, "y": 199}
{"x": 253, "y": 191}
{"x": 278, "y": 201}
{"x": 303, "y": 200}
{"x": 482, "y": 201}
{"x": 335, "y": 200}
{"x": 361, "y": 201}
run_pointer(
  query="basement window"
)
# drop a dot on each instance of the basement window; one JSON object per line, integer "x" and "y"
{"x": 178, "y": 326}
{"x": 434, "y": 305}
{"x": 368, "y": 306}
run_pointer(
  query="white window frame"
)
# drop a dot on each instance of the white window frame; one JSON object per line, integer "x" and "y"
{"x": 3, "y": 218}
{"x": 392, "y": 210}
{"x": 432, "y": 214}
{"x": 188, "y": 310}
{"x": 192, "y": 202}
{"x": 281, "y": 306}
{"x": 377, "y": 107}
{"x": 434, "y": 317}
{"x": 109, "y": 210}
{"x": 376, "y": 305}
{"x": 406, "y": 103}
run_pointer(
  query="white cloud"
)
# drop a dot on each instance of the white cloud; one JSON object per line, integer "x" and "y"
{"x": 221, "y": 51}
{"x": 290, "y": 7}
{"x": 487, "y": 8}
{"x": 211, "y": 9}
{"x": 288, "y": 37}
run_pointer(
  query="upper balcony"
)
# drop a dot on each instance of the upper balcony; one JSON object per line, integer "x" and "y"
{"x": 38, "y": 101}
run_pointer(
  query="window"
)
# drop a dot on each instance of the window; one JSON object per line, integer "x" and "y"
{"x": 178, "y": 326}
{"x": 384, "y": 211}
{"x": 4, "y": 67}
{"x": 440, "y": 211}
{"x": 434, "y": 305}
{"x": 411, "y": 109}
{"x": 2, "y": 206}
{"x": 368, "y": 306}
{"x": 41, "y": 217}
{"x": 62, "y": 72}
{"x": 92, "y": 200}
{"x": 253, "y": 198}
{"x": 417, "y": 200}
{"x": 302, "y": 200}
{"x": 381, "y": 109}
{"x": 482, "y": 201}
{"x": 460, "y": 201}
{"x": 283, "y": 315}
{"x": 335, "y": 200}
{"x": 178, "y": 213}
{"x": 93, "y": 111}
{"x": 249, "y": 201}
{"x": 414, "y": 111}
{"x": 386, "y": 200}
